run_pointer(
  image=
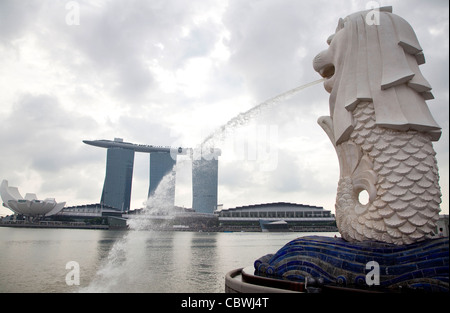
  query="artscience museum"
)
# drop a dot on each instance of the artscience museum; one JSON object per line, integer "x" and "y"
{"x": 29, "y": 205}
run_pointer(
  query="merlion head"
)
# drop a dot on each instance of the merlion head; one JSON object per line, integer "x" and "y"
{"x": 376, "y": 61}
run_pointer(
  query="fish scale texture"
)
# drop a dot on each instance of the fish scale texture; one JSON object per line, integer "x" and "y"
{"x": 408, "y": 195}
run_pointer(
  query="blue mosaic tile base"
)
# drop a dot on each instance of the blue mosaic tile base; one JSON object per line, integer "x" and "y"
{"x": 420, "y": 266}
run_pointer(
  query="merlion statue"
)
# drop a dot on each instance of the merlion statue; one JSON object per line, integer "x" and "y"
{"x": 382, "y": 130}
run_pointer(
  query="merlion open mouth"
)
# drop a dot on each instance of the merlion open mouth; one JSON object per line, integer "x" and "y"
{"x": 328, "y": 73}
{"x": 323, "y": 65}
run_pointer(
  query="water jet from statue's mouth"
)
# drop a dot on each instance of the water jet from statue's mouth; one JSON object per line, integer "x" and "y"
{"x": 328, "y": 72}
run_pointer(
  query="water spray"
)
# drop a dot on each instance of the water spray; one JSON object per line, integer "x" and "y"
{"x": 244, "y": 117}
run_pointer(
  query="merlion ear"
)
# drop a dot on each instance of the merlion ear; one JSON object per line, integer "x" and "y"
{"x": 386, "y": 9}
{"x": 340, "y": 25}
{"x": 329, "y": 39}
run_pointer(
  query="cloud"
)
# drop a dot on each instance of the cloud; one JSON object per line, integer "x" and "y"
{"x": 270, "y": 43}
{"x": 170, "y": 72}
{"x": 15, "y": 18}
{"x": 44, "y": 151}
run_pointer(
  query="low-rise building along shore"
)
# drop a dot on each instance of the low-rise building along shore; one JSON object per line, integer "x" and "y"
{"x": 278, "y": 216}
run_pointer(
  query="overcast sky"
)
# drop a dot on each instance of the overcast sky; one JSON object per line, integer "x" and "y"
{"x": 169, "y": 72}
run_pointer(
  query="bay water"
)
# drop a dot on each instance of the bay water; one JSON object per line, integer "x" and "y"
{"x": 40, "y": 260}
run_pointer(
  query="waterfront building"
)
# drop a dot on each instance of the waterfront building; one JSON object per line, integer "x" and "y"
{"x": 118, "y": 178}
{"x": 280, "y": 216}
{"x": 119, "y": 170}
{"x": 88, "y": 211}
{"x": 29, "y": 205}
{"x": 442, "y": 226}
{"x": 205, "y": 182}
{"x": 162, "y": 164}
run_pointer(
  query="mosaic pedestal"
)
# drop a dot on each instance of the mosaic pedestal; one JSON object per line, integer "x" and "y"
{"x": 320, "y": 261}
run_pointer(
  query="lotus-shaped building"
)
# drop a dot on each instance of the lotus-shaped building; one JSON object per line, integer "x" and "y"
{"x": 30, "y": 205}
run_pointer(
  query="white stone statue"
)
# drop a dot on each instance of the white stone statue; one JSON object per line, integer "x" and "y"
{"x": 381, "y": 128}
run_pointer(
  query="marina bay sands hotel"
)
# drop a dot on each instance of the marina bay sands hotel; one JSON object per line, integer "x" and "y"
{"x": 119, "y": 174}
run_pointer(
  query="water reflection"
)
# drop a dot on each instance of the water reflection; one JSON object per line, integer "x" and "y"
{"x": 34, "y": 260}
{"x": 132, "y": 261}
{"x": 202, "y": 269}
